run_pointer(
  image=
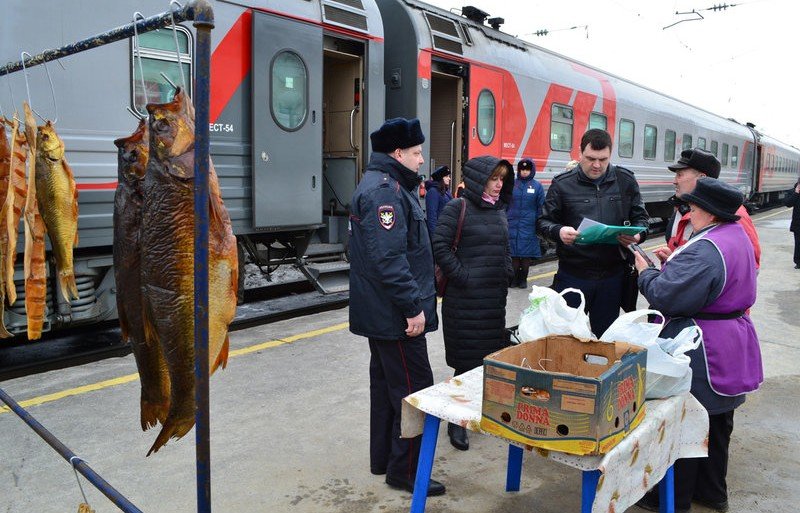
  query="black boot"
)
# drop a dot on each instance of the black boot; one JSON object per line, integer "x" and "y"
{"x": 458, "y": 437}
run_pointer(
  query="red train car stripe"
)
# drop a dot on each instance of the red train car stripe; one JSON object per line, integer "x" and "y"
{"x": 538, "y": 146}
{"x": 230, "y": 64}
{"x": 424, "y": 65}
{"x": 514, "y": 121}
{"x": 96, "y": 186}
{"x": 609, "y": 95}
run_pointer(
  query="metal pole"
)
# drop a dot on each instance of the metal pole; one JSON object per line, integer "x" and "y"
{"x": 80, "y": 465}
{"x": 189, "y": 12}
{"x": 204, "y": 22}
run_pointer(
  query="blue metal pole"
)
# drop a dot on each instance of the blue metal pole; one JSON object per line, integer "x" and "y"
{"x": 203, "y": 22}
{"x": 80, "y": 465}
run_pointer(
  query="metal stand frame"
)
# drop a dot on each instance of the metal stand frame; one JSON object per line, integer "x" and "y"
{"x": 201, "y": 13}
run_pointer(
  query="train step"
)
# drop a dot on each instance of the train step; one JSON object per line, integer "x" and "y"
{"x": 328, "y": 277}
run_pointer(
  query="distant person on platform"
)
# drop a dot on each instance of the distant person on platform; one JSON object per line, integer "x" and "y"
{"x": 525, "y": 209}
{"x": 694, "y": 164}
{"x": 392, "y": 293}
{"x": 609, "y": 194}
{"x": 438, "y": 195}
{"x": 793, "y": 201}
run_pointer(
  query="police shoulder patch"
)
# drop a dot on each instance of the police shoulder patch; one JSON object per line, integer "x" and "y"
{"x": 386, "y": 216}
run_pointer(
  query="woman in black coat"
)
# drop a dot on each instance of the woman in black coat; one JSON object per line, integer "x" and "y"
{"x": 474, "y": 304}
{"x": 793, "y": 201}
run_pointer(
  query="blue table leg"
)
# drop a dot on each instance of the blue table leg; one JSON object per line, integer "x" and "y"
{"x": 666, "y": 492}
{"x": 514, "y": 470}
{"x": 589, "y": 489}
{"x": 426, "y": 451}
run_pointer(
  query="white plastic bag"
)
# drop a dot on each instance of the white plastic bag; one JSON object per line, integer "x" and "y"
{"x": 668, "y": 368}
{"x": 549, "y": 314}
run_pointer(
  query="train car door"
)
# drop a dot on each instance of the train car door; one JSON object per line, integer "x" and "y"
{"x": 446, "y": 123}
{"x": 485, "y": 104}
{"x": 287, "y": 123}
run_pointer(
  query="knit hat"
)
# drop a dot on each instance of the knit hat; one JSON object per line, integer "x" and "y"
{"x": 397, "y": 133}
{"x": 524, "y": 164}
{"x": 440, "y": 173}
{"x": 716, "y": 197}
{"x": 698, "y": 159}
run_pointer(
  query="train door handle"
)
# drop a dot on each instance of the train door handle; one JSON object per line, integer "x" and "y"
{"x": 474, "y": 132}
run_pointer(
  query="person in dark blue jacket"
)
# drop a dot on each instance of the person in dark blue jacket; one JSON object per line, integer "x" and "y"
{"x": 525, "y": 209}
{"x": 438, "y": 195}
{"x": 392, "y": 293}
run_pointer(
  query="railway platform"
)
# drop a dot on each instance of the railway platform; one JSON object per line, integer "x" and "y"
{"x": 289, "y": 425}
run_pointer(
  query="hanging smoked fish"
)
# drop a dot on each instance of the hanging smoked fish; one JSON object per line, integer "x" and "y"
{"x": 15, "y": 202}
{"x": 35, "y": 268}
{"x": 167, "y": 242}
{"x": 5, "y": 168}
{"x": 58, "y": 204}
{"x": 153, "y": 375}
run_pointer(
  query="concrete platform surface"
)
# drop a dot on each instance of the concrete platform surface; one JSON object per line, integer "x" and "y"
{"x": 289, "y": 421}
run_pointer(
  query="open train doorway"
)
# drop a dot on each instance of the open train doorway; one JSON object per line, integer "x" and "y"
{"x": 447, "y": 119}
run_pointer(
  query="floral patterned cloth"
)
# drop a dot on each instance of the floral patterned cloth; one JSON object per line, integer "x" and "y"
{"x": 672, "y": 428}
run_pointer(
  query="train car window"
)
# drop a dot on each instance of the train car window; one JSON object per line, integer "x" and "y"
{"x": 486, "y": 117}
{"x": 669, "y": 146}
{"x": 597, "y": 120}
{"x": 626, "y": 131}
{"x": 687, "y": 142}
{"x": 289, "y": 90}
{"x": 157, "y": 49}
{"x": 714, "y": 148}
{"x": 701, "y": 142}
{"x": 561, "y": 120}
{"x": 650, "y": 140}
{"x": 735, "y": 156}
{"x": 724, "y": 157}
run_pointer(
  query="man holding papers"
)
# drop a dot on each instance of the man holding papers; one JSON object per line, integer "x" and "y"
{"x": 594, "y": 261}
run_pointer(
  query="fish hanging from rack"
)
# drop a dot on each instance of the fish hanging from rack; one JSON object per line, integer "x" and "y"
{"x": 14, "y": 203}
{"x": 5, "y": 168}
{"x": 167, "y": 242}
{"x": 57, "y": 198}
{"x": 153, "y": 374}
{"x": 34, "y": 267}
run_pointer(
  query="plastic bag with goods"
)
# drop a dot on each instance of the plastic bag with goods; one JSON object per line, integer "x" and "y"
{"x": 549, "y": 314}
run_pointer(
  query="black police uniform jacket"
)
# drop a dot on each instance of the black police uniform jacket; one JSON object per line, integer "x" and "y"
{"x": 474, "y": 304}
{"x": 572, "y": 196}
{"x": 391, "y": 264}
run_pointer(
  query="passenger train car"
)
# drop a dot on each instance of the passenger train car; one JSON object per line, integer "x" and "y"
{"x": 298, "y": 85}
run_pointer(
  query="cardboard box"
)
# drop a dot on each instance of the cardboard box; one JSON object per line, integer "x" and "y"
{"x": 564, "y": 393}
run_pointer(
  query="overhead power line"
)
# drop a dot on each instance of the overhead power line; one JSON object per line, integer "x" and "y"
{"x": 697, "y": 15}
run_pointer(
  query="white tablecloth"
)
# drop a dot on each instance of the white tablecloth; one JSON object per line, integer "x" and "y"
{"x": 672, "y": 428}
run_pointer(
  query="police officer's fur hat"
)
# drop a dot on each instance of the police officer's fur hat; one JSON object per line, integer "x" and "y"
{"x": 397, "y": 133}
{"x": 716, "y": 197}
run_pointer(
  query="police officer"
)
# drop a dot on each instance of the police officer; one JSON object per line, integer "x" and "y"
{"x": 392, "y": 294}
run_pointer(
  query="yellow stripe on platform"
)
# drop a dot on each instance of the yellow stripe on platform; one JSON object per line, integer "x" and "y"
{"x": 42, "y": 399}
{"x": 74, "y": 391}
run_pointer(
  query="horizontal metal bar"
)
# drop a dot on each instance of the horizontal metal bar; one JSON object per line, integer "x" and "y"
{"x": 145, "y": 25}
{"x": 80, "y": 465}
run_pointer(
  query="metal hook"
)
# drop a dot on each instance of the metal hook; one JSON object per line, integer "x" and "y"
{"x": 80, "y": 486}
{"x": 135, "y": 113}
{"x": 28, "y": 90}
{"x": 177, "y": 48}
{"x": 138, "y": 49}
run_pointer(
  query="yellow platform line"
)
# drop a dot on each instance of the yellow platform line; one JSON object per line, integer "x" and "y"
{"x": 48, "y": 398}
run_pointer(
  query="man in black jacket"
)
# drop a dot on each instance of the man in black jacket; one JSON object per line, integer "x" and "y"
{"x": 392, "y": 294}
{"x": 601, "y": 192}
{"x": 793, "y": 201}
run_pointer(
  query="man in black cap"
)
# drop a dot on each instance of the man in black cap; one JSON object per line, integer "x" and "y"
{"x": 392, "y": 293}
{"x": 694, "y": 164}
